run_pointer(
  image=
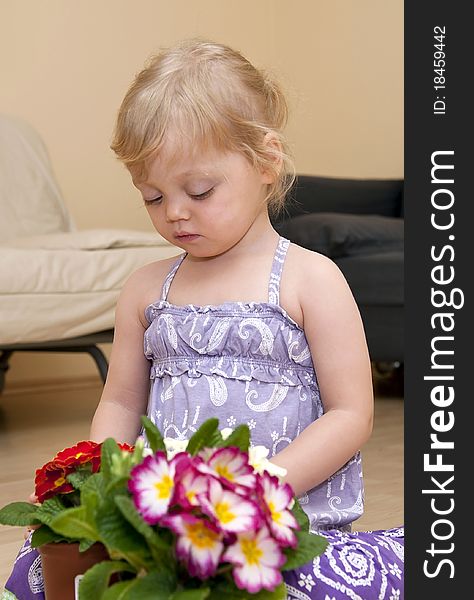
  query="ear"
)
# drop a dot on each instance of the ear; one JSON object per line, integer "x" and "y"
{"x": 273, "y": 148}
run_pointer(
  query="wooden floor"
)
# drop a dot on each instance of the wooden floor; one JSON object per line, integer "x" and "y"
{"x": 36, "y": 424}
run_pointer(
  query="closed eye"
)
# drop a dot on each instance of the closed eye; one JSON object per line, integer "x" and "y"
{"x": 202, "y": 196}
{"x": 156, "y": 200}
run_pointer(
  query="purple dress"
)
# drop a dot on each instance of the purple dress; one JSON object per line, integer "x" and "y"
{"x": 250, "y": 363}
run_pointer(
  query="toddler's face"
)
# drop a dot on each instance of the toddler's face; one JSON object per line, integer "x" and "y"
{"x": 204, "y": 202}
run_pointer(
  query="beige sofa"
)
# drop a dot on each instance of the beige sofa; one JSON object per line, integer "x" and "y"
{"x": 58, "y": 285}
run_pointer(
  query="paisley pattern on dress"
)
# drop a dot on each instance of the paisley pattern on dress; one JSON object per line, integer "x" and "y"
{"x": 245, "y": 331}
{"x": 249, "y": 360}
{"x": 355, "y": 566}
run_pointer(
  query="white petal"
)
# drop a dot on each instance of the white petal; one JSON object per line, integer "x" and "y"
{"x": 226, "y": 432}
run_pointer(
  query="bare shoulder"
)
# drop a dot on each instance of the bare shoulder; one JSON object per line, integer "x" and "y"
{"x": 306, "y": 267}
{"x": 144, "y": 285}
{"x": 318, "y": 264}
{"x": 313, "y": 282}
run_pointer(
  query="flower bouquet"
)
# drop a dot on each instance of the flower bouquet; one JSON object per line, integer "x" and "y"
{"x": 180, "y": 520}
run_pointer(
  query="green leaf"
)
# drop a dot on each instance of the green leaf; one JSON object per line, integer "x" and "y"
{"x": 240, "y": 438}
{"x": 93, "y": 493}
{"x": 90, "y": 501}
{"x": 109, "y": 449}
{"x": 199, "y": 594}
{"x": 117, "y": 487}
{"x": 153, "y": 435}
{"x": 49, "y": 509}
{"x": 216, "y": 441}
{"x": 79, "y": 478}
{"x": 279, "y": 593}
{"x": 120, "y": 538}
{"x": 73, "y": 523}
{"x": 150, "y": 587}
{"x": 19, "y": 514}
{"x": 137, "y": 454}
{"x": 95, "y": 484}
{"x": 300, "y": 516}
{"x": 161, "y": 550}
{"x": 85, "y": 545}
{"x": 309, "y": 546}
{"x": 45, "y": 535}
{"x": 131, "y": 514}
{"x": 202, "y": 438}
{"x": 95, "y": 581}
{"x": 229, "y": 591}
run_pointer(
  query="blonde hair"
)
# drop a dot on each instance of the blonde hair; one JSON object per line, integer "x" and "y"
{"x": 210, "y": 95}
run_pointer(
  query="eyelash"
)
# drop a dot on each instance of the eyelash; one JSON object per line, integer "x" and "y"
{"x": 202, "y": 196}
{"x": 152, "y": 201}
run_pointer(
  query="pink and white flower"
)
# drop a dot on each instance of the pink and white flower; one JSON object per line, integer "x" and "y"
{"x": 257, "y": 559}
{"x": 278, "y": 498}
{"x": 232, "y": 512}
{"x": 199, "y": 543}
{"x": 190, "y": 484}
{"x": 231, "y": 467}
{"x": 152, "y": 485}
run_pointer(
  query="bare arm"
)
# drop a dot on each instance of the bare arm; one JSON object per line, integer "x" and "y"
{"x": 336, "y": 338}
{"x": 125, "y": 394}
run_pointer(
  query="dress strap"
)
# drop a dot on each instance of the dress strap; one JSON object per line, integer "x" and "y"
{"x": 169, "y": 278}
{"x": 277, "y": 269}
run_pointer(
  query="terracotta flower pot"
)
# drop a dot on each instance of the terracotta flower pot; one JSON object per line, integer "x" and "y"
{"x": 61, "y": 563}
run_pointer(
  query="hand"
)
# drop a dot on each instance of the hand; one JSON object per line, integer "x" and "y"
{"x": 34, "y": 500}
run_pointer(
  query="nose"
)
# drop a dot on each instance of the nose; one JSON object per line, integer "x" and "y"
{"x": 176, "y": 209}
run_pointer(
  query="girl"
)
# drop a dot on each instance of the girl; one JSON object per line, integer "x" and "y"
{"x": 243, "y": 325}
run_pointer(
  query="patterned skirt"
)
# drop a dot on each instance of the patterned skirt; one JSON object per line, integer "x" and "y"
{"x": 362, "y": 565}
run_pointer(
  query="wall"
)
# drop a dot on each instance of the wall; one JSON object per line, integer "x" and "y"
{"x": 66, "y": 65}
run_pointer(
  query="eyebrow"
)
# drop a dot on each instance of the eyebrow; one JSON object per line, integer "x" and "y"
{"x": 183, "y": 175}
{"x": 193, "y": 172}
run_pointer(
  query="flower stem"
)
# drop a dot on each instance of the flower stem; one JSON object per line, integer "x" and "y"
{"x": 223, "y": 570}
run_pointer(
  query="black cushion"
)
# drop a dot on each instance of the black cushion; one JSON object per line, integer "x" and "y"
{"x": 337, "y": 235}
{"x": 375, "y": 279}
{"x": 355, "y": 196}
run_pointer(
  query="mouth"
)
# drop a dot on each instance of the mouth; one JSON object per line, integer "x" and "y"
{"x": 184, "y": 236}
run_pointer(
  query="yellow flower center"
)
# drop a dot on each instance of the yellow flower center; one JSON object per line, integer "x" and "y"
{"x": 79, "y": 454}
{"x": 191, "y": 495}
{"x": 224, "y": 472}
{"x": 251, "y": 551}
{"x": 164, "y": 487}
{"x": 276, "y": 516}
{"x": 201, "y": 536}
{"x": 224, "y": 514}
{"x": 59, "y": 481}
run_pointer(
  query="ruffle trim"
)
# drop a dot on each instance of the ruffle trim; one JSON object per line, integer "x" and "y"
{"x": 230, "y": 368}
{"x": 227, "y": 309}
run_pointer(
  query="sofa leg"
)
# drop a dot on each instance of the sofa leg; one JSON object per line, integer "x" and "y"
{"x": 4, "y": 366}
{"x": 94, "y": 351}
{"x": 100, "y": 360}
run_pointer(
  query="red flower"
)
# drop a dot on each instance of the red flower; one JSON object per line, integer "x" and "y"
{"x": 126, "y": 447}
{"x": 51, "y": 479}
{"x": 80, "y": 454}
